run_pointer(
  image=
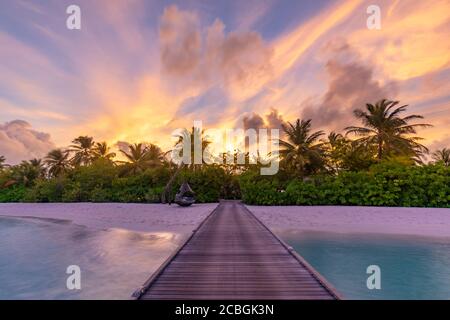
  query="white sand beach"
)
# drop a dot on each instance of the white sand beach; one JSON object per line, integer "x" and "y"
{"x": 163, "y": 218}
{"x": 428, "y": 222}
{"x": 135, "y": 217}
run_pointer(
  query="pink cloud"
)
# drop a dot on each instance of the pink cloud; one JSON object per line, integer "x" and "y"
{"x": 19, "y": 141}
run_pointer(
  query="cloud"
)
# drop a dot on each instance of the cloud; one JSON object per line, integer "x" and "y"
{"x": 253, "y": 121}
{"x": 207, "y": 106}
{"x": 440, "y": 143}
{"x": 272, "y": 120}
{"x": 239, "y": 61}
{"x": 292, "y": 45}
{"x": 180, "y": 41}
{"x": 351, "y": 85}
{"x": 18, "y": 141}
{"x": 412, "y": 40}
{"x": 166, "y": 74}
{"x": 122, "y": 146}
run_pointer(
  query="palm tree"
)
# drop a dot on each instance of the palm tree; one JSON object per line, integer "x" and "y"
{"x": 442, "y": 155}
{"x": 301, "y": 152}
{"x": 155, "y": 155}
{"x": 344, "y": 154}
{"x": 57, "y": 162}
{"x": 335, "y": 147}
{"x": 186, "y": 136}
{"x": 101, "y": 150}
{"x": 28, "y": 171}
{"x": 357, "y": 156}
{"x": 83, "y": 150}
{"x": 38, "y": 167}
{"x": 141, "y": 157}
{"x": 390, "y": 133}
{"x": 3, "y": 165}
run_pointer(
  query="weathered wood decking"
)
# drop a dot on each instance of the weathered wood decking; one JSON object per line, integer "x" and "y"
{"x": 232, "y": 255}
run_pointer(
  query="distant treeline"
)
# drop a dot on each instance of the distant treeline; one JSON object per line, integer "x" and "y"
{"x": 384, "y": 166}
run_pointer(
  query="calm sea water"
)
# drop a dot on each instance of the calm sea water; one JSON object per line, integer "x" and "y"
{"x": 34, "y": 256}
{"x": 411, "y": 267}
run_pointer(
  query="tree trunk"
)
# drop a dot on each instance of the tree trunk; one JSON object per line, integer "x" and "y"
{"x": 380, "y": 148}
{"x": 169, "y": 184}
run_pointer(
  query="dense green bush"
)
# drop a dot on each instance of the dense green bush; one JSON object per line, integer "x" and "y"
{"x": 46, "y": 191}
{"x": 210, "y": 183}
{"x": 385, "y": 184}
{"x": 101, "y": 182}
{"x": 264, "y": 190}
{"x": 13, "y": 194}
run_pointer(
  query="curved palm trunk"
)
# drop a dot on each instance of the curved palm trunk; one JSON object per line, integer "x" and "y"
{"x": 380, "y": 147}
{"x": 165, "y": 196}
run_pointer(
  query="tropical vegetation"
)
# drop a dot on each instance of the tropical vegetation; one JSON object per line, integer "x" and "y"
{"x": 378, "y": 163}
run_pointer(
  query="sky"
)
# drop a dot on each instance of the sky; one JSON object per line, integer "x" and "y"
{"x": 139, "y": 69}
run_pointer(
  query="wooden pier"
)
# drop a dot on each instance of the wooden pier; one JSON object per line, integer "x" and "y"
{"x": 234, "y": 256}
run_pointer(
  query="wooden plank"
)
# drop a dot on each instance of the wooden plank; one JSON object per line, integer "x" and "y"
{"x": 233, "y": 255}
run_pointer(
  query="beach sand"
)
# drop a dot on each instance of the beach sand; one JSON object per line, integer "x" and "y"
{"x": 427, "y": 222}
{"x": 433, "y": 222}
{"x": 135, "y": 217}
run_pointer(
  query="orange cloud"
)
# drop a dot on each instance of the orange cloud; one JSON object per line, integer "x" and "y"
{"x": 238, "y": 61}
{"x": 130, "y": 84}
{"x": 290, "y": 47}
{"x": 413, "y": 39}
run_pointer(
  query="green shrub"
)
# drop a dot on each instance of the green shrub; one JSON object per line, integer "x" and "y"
{"x": 389, "y": 183}
{"x": 385, "y": 184}
{"x": 302, "y": 193}
{"x": 100, "y": 195}
{"x": 16, "y": 193}
{"x": 206, "y": 182}
{"x": 46, "y": 191}
{"x": 154, "y": 195}
{"x": 263, "y": 190}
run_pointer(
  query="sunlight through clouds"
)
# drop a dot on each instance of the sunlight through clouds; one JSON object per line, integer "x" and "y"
{"x": 139, "y": 69}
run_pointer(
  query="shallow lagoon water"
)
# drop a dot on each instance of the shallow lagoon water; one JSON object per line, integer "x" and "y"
{"x": 411, "y": 267}
{"x": 35, "y": 253}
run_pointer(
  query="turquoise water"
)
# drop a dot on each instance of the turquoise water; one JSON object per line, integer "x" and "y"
{"x": 35, "y": 254}
{"x": 411, "y": 267}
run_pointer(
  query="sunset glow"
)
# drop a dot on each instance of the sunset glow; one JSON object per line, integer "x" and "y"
{"x": 137, "y": 70}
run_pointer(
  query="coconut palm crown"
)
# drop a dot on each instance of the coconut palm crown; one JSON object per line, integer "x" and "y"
{"x": 384, "y": 128}
{"x": 302, "y": 151}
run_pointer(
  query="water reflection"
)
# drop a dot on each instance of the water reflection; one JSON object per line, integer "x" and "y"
{"x": 34, "y": 255}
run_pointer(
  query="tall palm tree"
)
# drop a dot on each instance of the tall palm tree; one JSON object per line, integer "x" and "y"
{"x": 82, "y": 148}
{"x": 141, "y": 157}
{"x": 186, "y": 136}
{"x": 442, "y": 155}
{"x": 302, "y": 152}
{"x": 57, "y": 162}
{"x": 196, "y": 134}
{"x": 335, "y": 147}
{"x": 101, "y": 150}
{"x": 390, "y": 133}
